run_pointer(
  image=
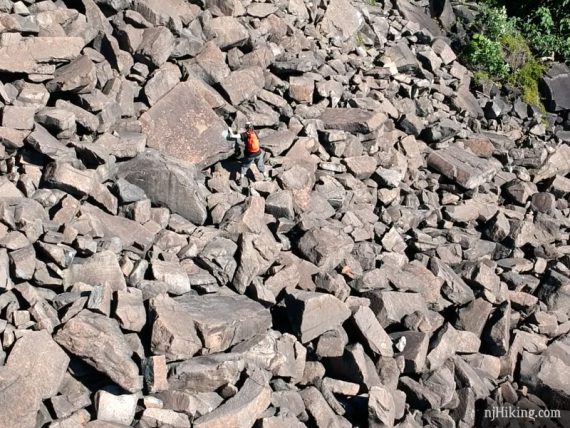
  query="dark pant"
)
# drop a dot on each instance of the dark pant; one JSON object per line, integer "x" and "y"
{"x": 249, "y": 159}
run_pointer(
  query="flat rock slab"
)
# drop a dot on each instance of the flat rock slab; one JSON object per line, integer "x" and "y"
{"x": 164, "y": 12}
{"x": 100, "y": 269}
{"x": 462, "y": 166}
{"x": 353, "y": 120}
{"x": 416, "y": 14}
{"x": 223, "y": 321}
{"x": 325, "y": 247}
{"x": 368, "y": 325}
{"x": 341, "y": 19}
{"x": 40, "y": 361}
{"x": 34, "y": 371}
{"x": 38, "y": 54}
{"x": 240, "y": 411}
{"x": 8, "y": 191}
{"x": 312, "y": 313}
{"x": 173, "y": 331}
{"x": 167, "y": 182}
{"x": 206, "y": 373}
{"x": 19, "y": 404}
{"x": 183, "y": 125}
{"x": 98, "y": 340}
{"x": 557, "y": 164}
{"x": 129, "y": 232}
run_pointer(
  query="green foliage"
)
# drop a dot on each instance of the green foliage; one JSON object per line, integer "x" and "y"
{"x": 515, "y": 49}
{"x": 526, "y": 79}
{"x": 545, "y": 35}
{"x": 359, "y": 39}
{"x": 494, "y": 22}
{"x": 502, "y": 47}
{"x": 486, "y": 55}
{"x": 544, "y": 23}
{"x": 481, "y": 77}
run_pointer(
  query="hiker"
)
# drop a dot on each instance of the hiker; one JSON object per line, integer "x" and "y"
{"x": 252, "y": 151}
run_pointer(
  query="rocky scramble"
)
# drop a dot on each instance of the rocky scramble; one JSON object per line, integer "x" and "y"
{"x": 407, "y": 265}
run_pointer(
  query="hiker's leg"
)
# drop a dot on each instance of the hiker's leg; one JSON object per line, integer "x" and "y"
{"x": 260, "y": 163}
{"x": 245, "y": 164}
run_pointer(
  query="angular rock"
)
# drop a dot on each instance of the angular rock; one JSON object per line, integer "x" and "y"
{"x": 169, "y": 12}
{"x": 401, "y": 57}
{"x": 79, "y": 76}
{"x": 443, "y": 346}
{"x": 368, "y": 325}
{"x": 125, "y": 145}
{"x": 167, "y": 182}
{"x": 257, "y": 254}
{"x": 19, "y": 118}
{"x": 341, "y": 19}
{"x": 553, "y": 86}
{"x": 352, "y": 119}
{"x": 182, "y": 125}
{"x": 20, "y": 403}
{"x": 99, "y": 269}
{"x": 319, "y": 409}
{"x": 38, "y": 54}
{"x": 129, "y": 232}
{"x": 557, "y": 164}
{"x": 227, "y": 32}
{"x": 381, "y": 408}
{"x": 165, "y": 417}
{"x": 173, "y": 331}
{"x": 242, "y": 410}
{"x": 130, "y": 310}
{"x": 462, "y": 166}
{"x": 325, "y": 247}
{"x": 172, "y": 274}
{"x": 156, "y": 46}
{"x": 454, "y": 288}
{"x": 224, "y": 321}
{"x": 392, "y": 306}
{"x": 413, "y": 12}
{"x": 312, "y": 313}
{"x": 162, "y": 81}
{"x": 415, "y": 350}
{"x": 98, "y": 340}
{"x": 206, "y": 373}
{"x": 497, "y": 333}
{"x": 332, "y": 343}
{"x": 40, "y": 362}
{"x": 80, "y": 183}
{"x": 242, "y": 85}
{"x": 362, "y": 167}
{"x": 118, "y": 409}
{"x": 43, "y": 142}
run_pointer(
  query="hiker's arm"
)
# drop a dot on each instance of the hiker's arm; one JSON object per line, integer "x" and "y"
{"x": 233, "y": 136}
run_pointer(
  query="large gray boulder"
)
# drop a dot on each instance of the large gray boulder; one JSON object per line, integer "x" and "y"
{"x": 554, "y": 86}
{"x": 224, "y": 321}
{"x": 167, "y": 182}
{"x": 183, "y": 125}
{"x": 39, "y": 54}
{"x": 98, "y": 340}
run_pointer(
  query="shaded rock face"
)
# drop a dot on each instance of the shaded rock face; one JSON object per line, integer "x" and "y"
{"x": 100, "y": 342}
{"x": 555, "y": 88}
{"x": 403, "y": 261}
{"x": 167, "y": 182}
